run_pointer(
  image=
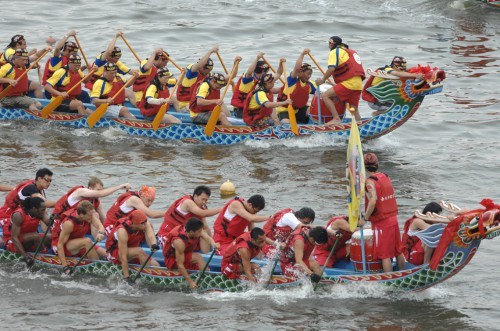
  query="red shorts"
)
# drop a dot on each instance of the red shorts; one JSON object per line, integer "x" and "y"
{"x": 320, "y": 256}
{"x": 291, "y": 270}
{"x": 171, "y": 263}
{"x": 67, "y": 253}
{"x": 114, "y": 258}
{"x": 345, "y": 95}
{"x": 387, "y": 239}
{"x": 10, "y": 246}
{"x": 231, "y": 270}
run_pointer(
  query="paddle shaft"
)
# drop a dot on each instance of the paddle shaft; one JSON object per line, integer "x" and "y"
{"x": 142, "y": 267}
{"x": 291, "y": 111}
{"x": 274, "y": 267}
{"x": 131, "y": 49}
{"x": 327, "y": 260}
{"x": 83, "y": 257}
{"x": 173, "y": 62}
{"x": 222, "y": 62}
{"x": 319, "y": 67}
{"x": 163, "y": 108}
{"x": 205, "y": 268}
{"x": 9, "y": 87}
{"x": 272, "y": 69}
{"x": 83, "y": 54}
{"x": 37, "y": 250}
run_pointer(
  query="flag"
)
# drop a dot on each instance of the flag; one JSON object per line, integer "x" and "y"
{"x": 355, "y": 173}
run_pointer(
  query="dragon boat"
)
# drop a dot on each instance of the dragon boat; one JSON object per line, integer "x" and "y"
{"x": 406, "y": 96}
{"x": 458, "y": 244}
{"x": 495, "y": 3}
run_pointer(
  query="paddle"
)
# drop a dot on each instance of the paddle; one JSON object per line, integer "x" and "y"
{"x": 172, "y": 61}
{"x": 214, "y": 117}
{"x": 49, "y": 109}
{"x": 317, "y": 65}
{"x": 132, "y": 280}
{"x": 221, "y": 62}
{"x": 205, "y": 268}
{"x": 40, "y": 243}
{"x": 72, "y": 270}
{"x": 163, "y": 108}
{"x": 101, "y": 110}
{"x": 276, "y": 260}
{"x": 326, "y": 262}
{"x": 131, "y": 49}
{"x": 272, "y": 69}
{"x": 9, "y": 87}
{"x": 291, "y": 110}
{"x": 83, "y": 54}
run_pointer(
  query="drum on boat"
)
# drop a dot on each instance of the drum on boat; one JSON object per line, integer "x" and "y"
{"x": 372, "y": 266}
{"x": 326, "y": 116}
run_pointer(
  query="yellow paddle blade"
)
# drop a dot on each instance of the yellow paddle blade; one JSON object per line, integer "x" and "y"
{"x": 5, "y": 91}
{"x": 159, "y": 116}
{"x": 97, "y": 114}
{"x": 212, "y": 121}
{"x": 49, "y": 109}
{"x": 293, "y": 120}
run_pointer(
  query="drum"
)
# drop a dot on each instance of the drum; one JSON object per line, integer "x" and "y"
{"x": 356, "y": 255}
{"x": 313, "y": 109}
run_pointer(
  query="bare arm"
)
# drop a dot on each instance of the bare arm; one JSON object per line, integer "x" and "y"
{"x": 192, "y": 207}
{"x": 137, "y": 203}
{"x": 179, "y": 259}
{"x": 96, "y": 223}
{"x": 61, "y": 42}
{"x": 88, "y": 193}
{"x": 17, "y": 222}
{"x": 371, "y": 192}
{"x": 111, "y": 46}
{"x": 299, "y": 256}
{"x": 239, "y": 209}
{"x": 6, "y": 188}
{"x": 253, "y": 65}
{"x": 204, "y": 59}
{"x": 247, "y": 265}
{"x": 149, "y": 64}
{"x": 298, "y": 64}
{"x": 279, "y": 72}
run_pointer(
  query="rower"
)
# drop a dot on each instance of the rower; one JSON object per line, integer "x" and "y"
{"x": 339, "y": 225}
{"x": 128, "y": 202}
{"x": 186, "y": 207}
{"x": 20, "y": 232}
{"x": 157, "y": 94}
{"x": 148, "y": 70}
{"x": 195, "y": 73}
{"x": 112, "y": 55}
{"x": 180, "y": 245}
{"x": 17, "y": 97}
{"x": 69, "y": 237}
{"x": 236, "y": 216}
{"x": 123, "y": 243}
{"x": 19, "y": 42}
{"x": 299, "y": 88}
{"x": 63, "y": 80}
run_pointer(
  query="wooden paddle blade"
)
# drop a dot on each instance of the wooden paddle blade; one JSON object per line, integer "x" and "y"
{"x": 293, "y": 120}
{"x": 212, "y": 121}
{"x": 97, "y": 114}
{"x": 49, "y": 109}
{"x": 159, "y": 116}
{"x": 5, "y": 91}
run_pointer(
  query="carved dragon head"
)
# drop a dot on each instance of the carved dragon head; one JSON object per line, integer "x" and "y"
{"x": 431, "y": 84}
{"x": 480, "y": 224}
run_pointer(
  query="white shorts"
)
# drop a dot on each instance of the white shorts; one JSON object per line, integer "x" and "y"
{"x": 113, "y": 111}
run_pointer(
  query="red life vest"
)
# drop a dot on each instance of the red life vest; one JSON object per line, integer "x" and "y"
{"x": 184, "y": 93}
{"x": 135, "y": 238}
{"x": 386, "y": 204}
{"x": 117, "y": 84}
{"x": 90, "y": 83}
{"x": 12, "y": 200}
{"x": 142, "y": 82}
{"x": 365, "y": 95}
{"x": 231, "y": 229}
{"x": 74, "y": 79}
{"x": 179, "y": 232}
{"x": 174, "y": 218}
{"x": 288, "y": 256}
{"x": 47, "y": 73}
{"x": 345, "y": 236}
{"x": 411, "y": 245}
{"x": 239, "y": 97}
{"x": 151, "y": 110}
{"x": 252, "y": 116}
{"x": 22, "y": 85}
{"x": 80, "y": 228}
{"x": 29, "y": 224}
{"x": 299, "y": 96}
{"x": 348, "y": 69}
{"x": 62, "y": 204}
{"x": 231, "y": 254}
{"x": 213, "y": 94}
{"x": 115, "y": 213}
{"x": 275, "y": 232}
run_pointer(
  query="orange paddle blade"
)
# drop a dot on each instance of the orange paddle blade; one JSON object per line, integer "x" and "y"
{"x": 212, "y": 121}
{"x": 293, "y": 120}
{"x": 5, "y": 91}
{"x": 49, "y": 109}
{"x": 97, "y": 114}
{"x": 159, "y": 116}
